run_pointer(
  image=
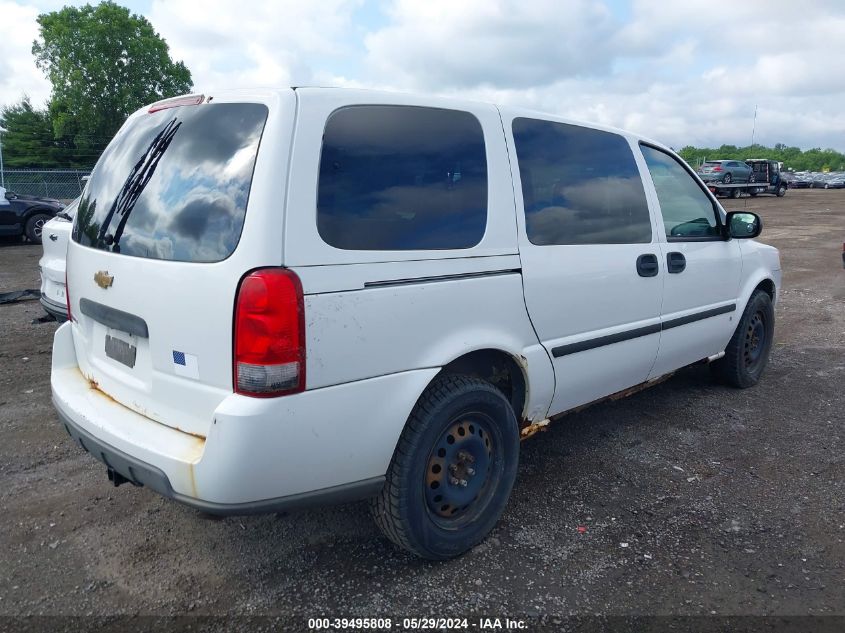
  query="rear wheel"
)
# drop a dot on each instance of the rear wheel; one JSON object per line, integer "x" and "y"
{"x": 735, "y": 193}
{"x": 452, "y": 471}
{"x": 35, "y": 226}
{"x": 747, "y": 352}
{"x": 727, "y": 179}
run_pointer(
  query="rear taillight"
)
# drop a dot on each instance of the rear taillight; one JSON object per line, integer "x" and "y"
{"x": 269, "y": 346}
{"x": 67, "y": 299}
{"x": 717, "y": 168}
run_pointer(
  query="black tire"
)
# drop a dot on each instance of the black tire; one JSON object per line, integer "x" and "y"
{"x": 34, "y": 227}
{"x": 747, "y": 352}
{"x": 726, "y": 179}
{"x": 735, "y": 192}
{"x": 753, "y": 193}
{"x": 781, "y": 191}
{"x": 422, "y": 505}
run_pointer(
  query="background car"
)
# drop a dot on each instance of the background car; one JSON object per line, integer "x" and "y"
{"x": 726, "y": 171}
{"x": 800, "y": 180}
{"x": 26, "y": 215}
{"x": 56, "y": 234}
{"x": 817, "y": 180}
{"x": 834, "y": 181}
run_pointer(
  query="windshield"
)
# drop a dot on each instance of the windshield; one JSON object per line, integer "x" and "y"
{"x": 174, "y": 184}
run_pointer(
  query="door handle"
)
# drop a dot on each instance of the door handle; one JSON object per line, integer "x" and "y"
{"x": 647, "y": 265}
{"x": 676, "y": 262}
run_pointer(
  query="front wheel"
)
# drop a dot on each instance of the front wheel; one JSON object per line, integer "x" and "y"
{"x": 747, "y": 352}
{"x": 781, "y": 191}
{"x": 35, "y": 227}
{"x": 452, "y": 470}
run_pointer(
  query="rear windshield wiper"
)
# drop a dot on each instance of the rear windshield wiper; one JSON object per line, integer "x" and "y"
{"x": 135, "y": 184}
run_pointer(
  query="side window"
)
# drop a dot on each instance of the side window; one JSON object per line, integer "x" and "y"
{"x": 402, "y": 178}
{"x": 579, "y": 185}
{"x": 687, "y": 210}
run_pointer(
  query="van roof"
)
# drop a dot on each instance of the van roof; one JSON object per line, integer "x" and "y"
{"x": 443, "y": 101}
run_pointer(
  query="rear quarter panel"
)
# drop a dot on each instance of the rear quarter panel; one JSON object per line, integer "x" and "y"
{"x": 375, "y": 313}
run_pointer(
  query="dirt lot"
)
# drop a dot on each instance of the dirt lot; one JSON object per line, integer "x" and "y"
{"x": 697, "y": 499}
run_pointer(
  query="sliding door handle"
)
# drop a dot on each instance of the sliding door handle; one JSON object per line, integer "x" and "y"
{"x": 647, "y": 265}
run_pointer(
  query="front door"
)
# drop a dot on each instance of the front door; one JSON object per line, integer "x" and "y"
{"x": 699, "y": 311}
{"x": 591, "y": 266}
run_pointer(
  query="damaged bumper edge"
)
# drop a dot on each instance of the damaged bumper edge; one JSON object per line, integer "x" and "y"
{"x": 140, "y": 473}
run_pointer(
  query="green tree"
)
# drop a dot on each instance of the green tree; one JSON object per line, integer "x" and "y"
{"x": 104, "y": 63}
{"x": 28, "y": 140}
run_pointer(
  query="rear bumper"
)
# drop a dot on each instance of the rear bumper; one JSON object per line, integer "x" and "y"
{"x": 55, "y": 310}
{"x": 261, "y": 455}
{"x": 143, "y": 474}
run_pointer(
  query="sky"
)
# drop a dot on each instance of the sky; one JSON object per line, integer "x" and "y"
{"x": 683, "y": 72}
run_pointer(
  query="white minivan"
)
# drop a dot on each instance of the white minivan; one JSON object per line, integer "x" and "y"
{"x": 298, "y": 296}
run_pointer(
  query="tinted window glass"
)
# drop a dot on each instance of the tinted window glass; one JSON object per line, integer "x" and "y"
{"x": 174, "y": 184}
{"x": 402, "y": 178}
{"x": 687, "y": 210}
{"x": 579, "y": 185}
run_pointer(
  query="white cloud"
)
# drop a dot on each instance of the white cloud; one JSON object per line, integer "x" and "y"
{"x": 263, "y": 43}
{"x": 446, "y": 44}
{"x": 18, "y": 74}
{"x": 684, "y": 72}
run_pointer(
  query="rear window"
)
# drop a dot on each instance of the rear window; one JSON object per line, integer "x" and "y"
{"x": 174, "y": 184}
{"x": 402, "y": 178}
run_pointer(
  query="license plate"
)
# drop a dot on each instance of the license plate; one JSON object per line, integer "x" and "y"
{"x": 121, "y": 351}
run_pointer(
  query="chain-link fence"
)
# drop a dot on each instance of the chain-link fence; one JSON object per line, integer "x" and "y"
{"x": 62, "y": 184}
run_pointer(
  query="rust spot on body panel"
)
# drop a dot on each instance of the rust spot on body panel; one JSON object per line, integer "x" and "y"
{"x": 94, "y": 386}
{"x": 533, "y": 428}
{"x": 530, "y": 428}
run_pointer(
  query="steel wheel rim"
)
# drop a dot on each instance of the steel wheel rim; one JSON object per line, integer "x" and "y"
{"x": 755, "y": 340}
{"x": 461, "y": 472}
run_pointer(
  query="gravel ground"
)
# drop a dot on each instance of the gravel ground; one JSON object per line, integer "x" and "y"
{"x": 696, "y": 499}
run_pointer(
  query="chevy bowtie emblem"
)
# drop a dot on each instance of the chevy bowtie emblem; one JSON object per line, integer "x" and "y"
{"x": 103, "y": 279}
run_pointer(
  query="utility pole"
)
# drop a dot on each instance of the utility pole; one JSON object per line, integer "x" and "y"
{"x": 753, "y": 127}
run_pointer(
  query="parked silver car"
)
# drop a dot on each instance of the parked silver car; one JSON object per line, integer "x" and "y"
{"x": 726, "y": 171}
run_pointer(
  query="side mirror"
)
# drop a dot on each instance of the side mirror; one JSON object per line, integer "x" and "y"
{"x": 744, "y": 225}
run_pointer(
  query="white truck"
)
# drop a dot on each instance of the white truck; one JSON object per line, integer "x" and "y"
{"x": 298, "y": 296}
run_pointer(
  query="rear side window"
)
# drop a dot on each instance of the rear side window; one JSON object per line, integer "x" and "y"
{"x": 174, "y": 184}
{"x": 402, "y": 178}
{"x": 579, "y": 185}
